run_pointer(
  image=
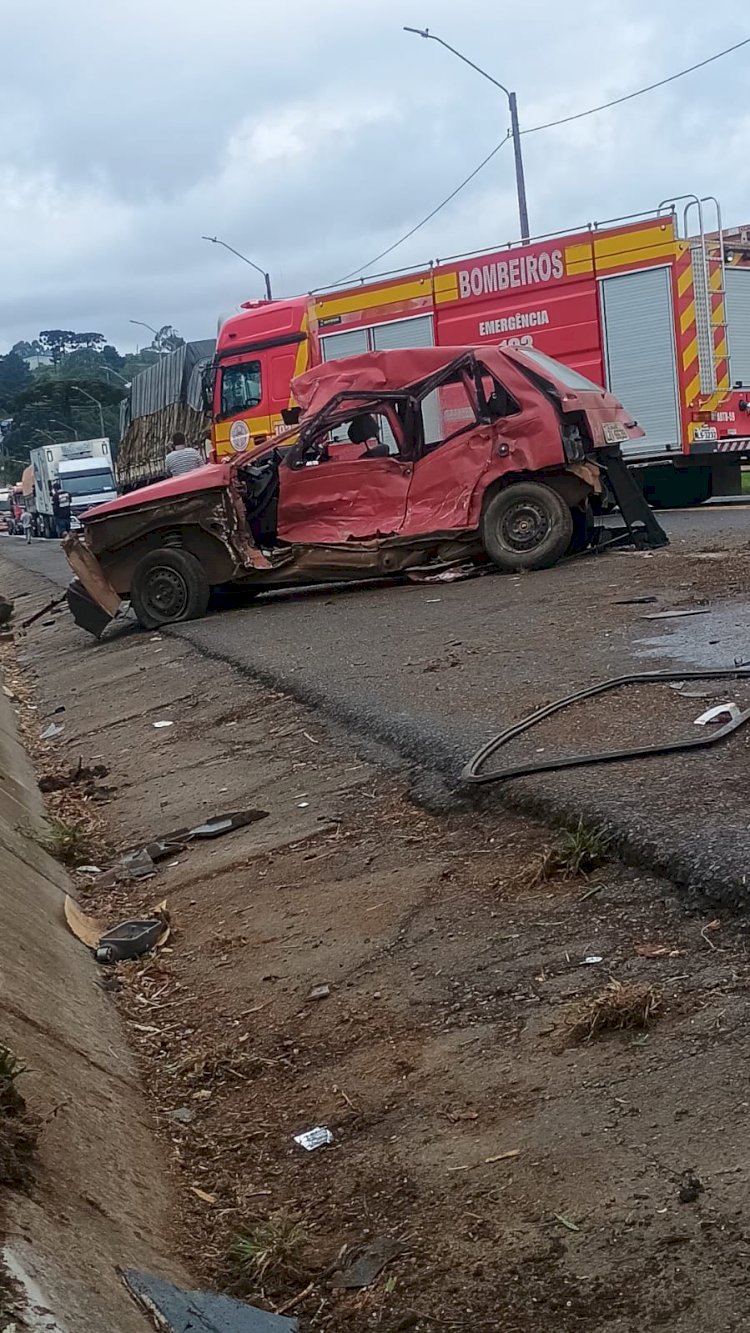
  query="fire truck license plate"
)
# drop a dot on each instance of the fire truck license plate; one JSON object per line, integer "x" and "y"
{"x": 614, "y": 433}
{"x": 706, "y": 433}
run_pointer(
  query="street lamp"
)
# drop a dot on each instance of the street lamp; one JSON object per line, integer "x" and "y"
{"x": 523, "y": 215}
{"x": 109, "y": 371}
{"x": 66, "y": 425}
{"x": 144, "y": 326}
{"x": 92, "y": 400}
{"x": 266, "y": 276}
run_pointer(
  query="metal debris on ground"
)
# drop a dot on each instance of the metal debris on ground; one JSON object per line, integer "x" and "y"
{"x": 363, "y": 1266}
{"x": 320, "y": 1137}
{"x": 635, "y": 601}
{"x": 129, "y": 939}
{"x": 175, "y": 1310}
{"x": 727, "y": 712}
{"x": 319, "y": 993}
{"x": 677, "y": 615}
{"x": 140, "y": 862}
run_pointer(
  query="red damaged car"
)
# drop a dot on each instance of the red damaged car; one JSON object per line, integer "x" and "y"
{"x": 400, "y": 459}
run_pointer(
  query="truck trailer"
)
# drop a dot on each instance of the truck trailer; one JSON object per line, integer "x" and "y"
{"x": 654, "y": 306}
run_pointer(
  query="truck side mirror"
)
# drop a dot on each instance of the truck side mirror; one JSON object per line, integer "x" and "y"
{"x": 208, "y": 384}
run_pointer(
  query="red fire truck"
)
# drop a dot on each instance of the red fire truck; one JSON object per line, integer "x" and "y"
{"x": 655, "y": 306}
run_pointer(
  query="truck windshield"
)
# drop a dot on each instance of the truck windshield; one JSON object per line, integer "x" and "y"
{"x": 567, "y": 377}
{"x": 89, "y": 483}
{"x": 240, "y": 388}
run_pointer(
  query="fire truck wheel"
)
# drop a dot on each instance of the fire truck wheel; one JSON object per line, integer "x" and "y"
{"x": 169, "y": 585}
{"x": 526, "y": 526}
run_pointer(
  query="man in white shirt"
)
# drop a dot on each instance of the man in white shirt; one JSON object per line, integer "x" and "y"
{"x": 181, "y": 457}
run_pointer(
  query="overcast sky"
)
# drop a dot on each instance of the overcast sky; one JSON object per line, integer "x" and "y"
{"x": 310, "y": 134}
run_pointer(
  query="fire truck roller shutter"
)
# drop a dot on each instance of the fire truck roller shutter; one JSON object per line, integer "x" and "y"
{"x": 640, "y": 355}
{"x": 416, "y": 332}
{"x": 738, "y": 325}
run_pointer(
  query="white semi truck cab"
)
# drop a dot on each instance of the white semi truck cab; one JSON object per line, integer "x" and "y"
{"x": 83, "y": 468}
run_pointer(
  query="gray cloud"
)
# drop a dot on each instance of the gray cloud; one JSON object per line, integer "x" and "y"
{"x": 311, "y": 137}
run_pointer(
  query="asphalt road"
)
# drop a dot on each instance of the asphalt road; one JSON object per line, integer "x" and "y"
{"x": 433, "y": 670}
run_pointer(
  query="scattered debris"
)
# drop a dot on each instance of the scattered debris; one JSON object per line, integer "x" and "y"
{"x": 566, "y": 1222}
{"x": 203, "y": 1195}
{"x": 617, "y": 1008}
{"x": 82, "y": 775}
{"x": 129, "y": 939}
{"x": 634, "y": 601}
{"x": 721, "y": 712}
{"x": 677, "y": 615}
{"x": 174, "y": 1310}
{"x": 365, "y": 1265}
{"x": 182, "y": 1115}
{"x": 162, "y": 723}
{"x": 140, "y": 862}
{"x": 591, "y": 960}
{"x": 690, "y": 1188}
{"x": 54, "y": 729}
{"x": 50, "y": 606}
{"x": 319, "y": 993}
{"x": 319, "y": 1137}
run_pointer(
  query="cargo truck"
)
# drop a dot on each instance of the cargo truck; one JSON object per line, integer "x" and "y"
{"x": 84, "y": 470}
{"x": 654, "y": 306}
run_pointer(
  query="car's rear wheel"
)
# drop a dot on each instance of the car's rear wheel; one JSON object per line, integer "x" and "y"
{"x": 526, "y": 526}
{"x": 168, "y": 586}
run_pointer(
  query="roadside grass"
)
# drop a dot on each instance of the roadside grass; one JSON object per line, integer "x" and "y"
{"x": 575, "y": 854}
{"x": 68, "y": 841}
{"x": 618, "y": 1008}
{"x": 270, "y": 1254}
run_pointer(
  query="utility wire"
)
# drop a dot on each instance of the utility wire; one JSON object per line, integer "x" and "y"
{"x": 534, "y": 129}
{"x": 617, "y": 101}
{"x": 431, "y": 215}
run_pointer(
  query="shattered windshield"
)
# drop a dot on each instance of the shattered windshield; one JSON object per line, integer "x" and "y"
{"x": 240, "y": 388}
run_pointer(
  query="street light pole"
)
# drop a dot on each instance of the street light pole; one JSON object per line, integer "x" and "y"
{"x": 144, "y": 326}
{"x": 92, "y": 400}
{"x": 266, "y": 276}
{"x": 523, "y": 214}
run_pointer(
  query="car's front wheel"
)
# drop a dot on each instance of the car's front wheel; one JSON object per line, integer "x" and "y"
{"x": 167, "y": 586}
{"x": 526, "y": 526}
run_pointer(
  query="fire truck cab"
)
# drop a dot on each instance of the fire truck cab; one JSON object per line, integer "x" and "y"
{"x": 655, "y": 307}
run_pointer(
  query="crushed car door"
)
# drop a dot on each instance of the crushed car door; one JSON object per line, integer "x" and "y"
{"x": 454, "y": 454}
{"x": 346, "y": 488}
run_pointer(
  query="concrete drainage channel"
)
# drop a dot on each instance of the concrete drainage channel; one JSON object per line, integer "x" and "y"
{"x": 94, "y": 1199}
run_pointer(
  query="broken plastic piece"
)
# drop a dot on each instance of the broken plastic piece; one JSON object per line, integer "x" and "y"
{"x": 729, "y": 712}
{"x": 162, "y": 723}
{"x": 320, "y": 1137}
{"x": 177, "y": 1311}
{"x": 592, "y": 959}
{"x": 52, "y": 730}
{"x": 137, "y": 864}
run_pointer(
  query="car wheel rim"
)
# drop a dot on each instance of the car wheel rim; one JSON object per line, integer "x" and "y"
{"x": 524, "y": 526}
{"x": 166, "y": 594}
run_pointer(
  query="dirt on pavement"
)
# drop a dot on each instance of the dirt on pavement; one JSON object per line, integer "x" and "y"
{"x": 528, "y": 1180}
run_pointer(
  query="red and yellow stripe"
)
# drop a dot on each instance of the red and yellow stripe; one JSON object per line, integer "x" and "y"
{"x": 687, "y": 326}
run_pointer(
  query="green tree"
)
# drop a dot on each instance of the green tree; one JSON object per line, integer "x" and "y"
{"x": 167, "y": 339}
{"x": 15, "y": 376}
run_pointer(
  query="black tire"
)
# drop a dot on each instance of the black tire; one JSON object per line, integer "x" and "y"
{"x": 168, "y": 586}
{"x": 526, "y": 526}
